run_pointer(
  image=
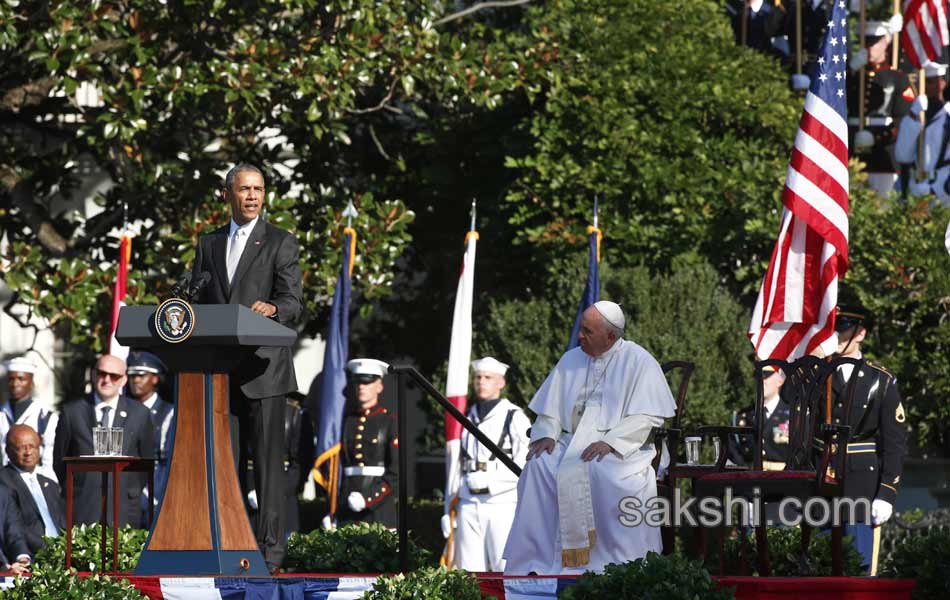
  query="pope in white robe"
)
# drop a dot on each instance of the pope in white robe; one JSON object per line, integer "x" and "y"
{"x": 590, "y": 449}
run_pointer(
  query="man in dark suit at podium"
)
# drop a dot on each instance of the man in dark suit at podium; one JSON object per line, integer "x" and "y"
{"x": 254, "y": 263}
{"x": 107, "y": 408}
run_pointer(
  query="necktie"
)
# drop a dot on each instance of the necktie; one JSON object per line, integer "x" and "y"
{"x": 234, "y": 253}
{"x": 40, "y": 500}
{"x": 104, "y": 421}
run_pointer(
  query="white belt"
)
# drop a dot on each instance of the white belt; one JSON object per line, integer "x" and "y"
{"x": 364, "y": 471}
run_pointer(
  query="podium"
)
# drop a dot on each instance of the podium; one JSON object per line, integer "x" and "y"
{"x": 201, "y": 526}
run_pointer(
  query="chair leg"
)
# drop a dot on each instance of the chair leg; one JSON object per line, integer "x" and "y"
{"x": 700, "y": 542}
{"x": 837, "y": 535}
{"x": 762, "y": 548}
{"x": 803, "y": 569}
{"x": 722, "y": 551}
{"x": 744, "y": 567}
{"x": 668, "y": 536}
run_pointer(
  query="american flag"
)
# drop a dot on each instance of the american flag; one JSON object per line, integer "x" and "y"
{"x": 795, "y": 311}
{"x": 925, "y": 30}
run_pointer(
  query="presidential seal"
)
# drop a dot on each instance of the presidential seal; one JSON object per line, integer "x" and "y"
{"x": 174, "y": 320}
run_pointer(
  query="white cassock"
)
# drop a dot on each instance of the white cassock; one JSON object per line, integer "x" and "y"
{"x": 483, "y": 518}
{"x": 568, "y": 516}
{"x": 43, "y": 421}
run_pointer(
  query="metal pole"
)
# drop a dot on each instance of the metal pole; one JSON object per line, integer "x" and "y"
{"x": 401, "y": 428}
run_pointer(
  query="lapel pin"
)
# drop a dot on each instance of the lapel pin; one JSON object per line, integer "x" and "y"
{"x": 257, "y": 242}
{"x": 123, "y": 414}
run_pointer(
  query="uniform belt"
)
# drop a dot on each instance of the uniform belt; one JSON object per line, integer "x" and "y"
{"x": 364, "y": 471}
{"x": 852, "y": 448}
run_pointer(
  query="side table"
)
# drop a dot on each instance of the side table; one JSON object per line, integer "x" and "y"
{"x": 106, "y": 465}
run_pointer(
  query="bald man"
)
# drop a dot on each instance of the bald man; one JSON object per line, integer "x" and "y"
{"x": 589, "y": 451}
{"x": 38, "y": 498}
{"x": 107, "y": 407}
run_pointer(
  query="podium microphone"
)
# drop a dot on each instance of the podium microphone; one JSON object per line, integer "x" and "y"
{"x": 181, "y": 286}
{"x": 199, "y": 284}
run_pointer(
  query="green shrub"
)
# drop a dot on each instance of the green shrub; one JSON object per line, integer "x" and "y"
{"x": 784, "y": 544}
{"x": 86, "y": 556}
{"x": 53, "y": 583}
{"x": 673, "y": 577}
{"x": 355, "y": 548}
{"x": 923, "y": 558}
{"x": 431, "y": 583}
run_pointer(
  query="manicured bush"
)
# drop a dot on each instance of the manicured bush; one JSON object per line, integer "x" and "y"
{"x": 54, "y": 583}
{"x": 673, "y": 577}
{"x": 924, "y": 558}
{"x": 426, "y": 584}
{"x": 356, "y": 548}
{"x": 86, "y": 556}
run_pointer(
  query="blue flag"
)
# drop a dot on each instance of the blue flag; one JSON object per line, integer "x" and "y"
{"x": 326, "y": 468}
{"x": 592, "y": 288}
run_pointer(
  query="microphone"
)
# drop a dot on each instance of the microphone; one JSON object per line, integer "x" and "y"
{"x": 181, "y": 286}
{"x": 198, "y": 285}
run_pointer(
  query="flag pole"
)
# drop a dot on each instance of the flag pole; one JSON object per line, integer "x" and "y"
{"x": 921, "y": 90}
{"x": 896, "y": 45}
{"x": 473, "y": 213}
{"x": 798, "y": 37}
{"x": 862, "y": 75}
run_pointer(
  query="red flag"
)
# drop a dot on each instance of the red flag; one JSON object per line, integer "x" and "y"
{"x": 118, "y": 294}
{"x": 795, "y": 310}
{"x": 925, "y": 30}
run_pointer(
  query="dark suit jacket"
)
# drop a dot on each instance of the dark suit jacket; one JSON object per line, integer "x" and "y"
{"x": 12, "y": 540}
{"x": 31, "y": 519}
{"x": 269, "y": 270}
{"x": 74, "y": 438}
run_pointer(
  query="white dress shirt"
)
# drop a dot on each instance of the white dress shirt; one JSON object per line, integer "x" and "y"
{"x": 100, "y": 403}
{"x": 239, "y": 244}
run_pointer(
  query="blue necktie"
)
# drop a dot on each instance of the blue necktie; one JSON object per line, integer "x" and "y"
{"x": 40, "y": 500}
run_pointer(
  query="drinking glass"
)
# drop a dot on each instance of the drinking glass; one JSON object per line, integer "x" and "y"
{"x": 692, "y": 449}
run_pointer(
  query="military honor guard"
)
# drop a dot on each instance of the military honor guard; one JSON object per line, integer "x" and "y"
{"x": 21, "y": 409}
{"x": 370, "y": 446}
{"x": 487, "y": 494}
{"x": 931, "y": 172}
{"x": 775, "y": 432}
{"x": 877, "y": 444}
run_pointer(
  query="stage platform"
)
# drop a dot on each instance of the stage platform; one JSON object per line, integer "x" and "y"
{"x": 351, "y": 587}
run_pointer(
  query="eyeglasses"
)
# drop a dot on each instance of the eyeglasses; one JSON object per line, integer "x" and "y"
{"x": 114, "y": 377}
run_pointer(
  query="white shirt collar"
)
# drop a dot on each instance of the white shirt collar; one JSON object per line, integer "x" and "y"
{"x": 114, "y": 403}
{"x": 151, "y": 400}
{"x": 246, "y": 228}
{"x": 756, "y": 5}
{"x": 22, "y": 472}
{"x": 770, "y": 405}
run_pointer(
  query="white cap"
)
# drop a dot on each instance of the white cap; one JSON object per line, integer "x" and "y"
{"x": 21, "y": 364}
{"x": 490, "y": 365}
{"x": 367, "y": 366}
{"x": 934, "y": 69}
{"x": 611, "y": 312}
{"x": 876, "y": 28}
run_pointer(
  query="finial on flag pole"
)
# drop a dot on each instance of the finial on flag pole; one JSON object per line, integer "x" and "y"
{"x": 472, "y": 228}
{"x": 349, "y": 212}
{"x": 125, "y": 216}
{"x": 595, "y": 210}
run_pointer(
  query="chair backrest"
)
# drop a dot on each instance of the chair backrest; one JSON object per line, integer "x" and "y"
{"x": 686, "y": 369}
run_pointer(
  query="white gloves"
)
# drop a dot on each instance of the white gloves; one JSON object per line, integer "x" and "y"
{"x": 446, "y": 524}
{"x": 252, "y": 499}
{"x": 477, "y": 480}
{"x": 800, "y": 81}
{"x": 859, "y": 59}
{"x": 326, "y": 523}
{"x": 919, "y": 105}
{"x": 895, "y": 24}
{"x": 919, "y": 188}
{"x": 946, "y": 238}
{"x": 356, "y": 501}
{"x": 881, "y": 511}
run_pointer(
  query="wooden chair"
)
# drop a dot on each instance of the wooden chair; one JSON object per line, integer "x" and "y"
{"x": 806, "y": 474}
{"x": 666, "y": 482}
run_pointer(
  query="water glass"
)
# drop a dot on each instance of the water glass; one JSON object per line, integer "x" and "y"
{"x": 717, "y": 446}
{"x": 692, "y": 449}
{"x": 101, "y": 441}
{"x": 115, "y": 441}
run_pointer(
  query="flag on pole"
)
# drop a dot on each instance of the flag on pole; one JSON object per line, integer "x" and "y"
{"x": 925, "y": 31}
{"x": 118, "y": 294}
{"x": 326, "y": 467}
{"x": 795, "y": 310}
{"x": 456, "y": 385}
{"x": 592, "y": 287}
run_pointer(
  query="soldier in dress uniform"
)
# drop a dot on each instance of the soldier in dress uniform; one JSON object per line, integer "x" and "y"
{"x": 877, "y": 444}
{"x": 775, "y": 431}
{"x": 936, "y": 160}
{"x": 370, "y": 447}
{"x": 764, "y": 23}
{"x": 486, "y": 489}
{"x": 21, "y": 409}
{"x": 887, "y": 98}
{"x": 145, "y": 371}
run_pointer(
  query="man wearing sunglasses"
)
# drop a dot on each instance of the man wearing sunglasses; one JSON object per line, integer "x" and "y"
{"x": 107, "y": 407}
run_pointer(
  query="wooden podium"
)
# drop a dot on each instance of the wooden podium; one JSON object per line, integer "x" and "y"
{"x": 202, "y": 526}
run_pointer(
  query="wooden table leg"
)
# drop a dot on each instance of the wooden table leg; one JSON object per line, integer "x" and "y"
{"x": 151, "y": 497}
{"x": 103, "y": 519}
{"x": 69, "y": 515}
{"x": 115, "y": 518}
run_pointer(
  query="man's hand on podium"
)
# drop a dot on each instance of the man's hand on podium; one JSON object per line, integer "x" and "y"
{"x": 265, "y": 309}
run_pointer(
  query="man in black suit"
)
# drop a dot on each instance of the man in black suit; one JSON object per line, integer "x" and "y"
{"x": 253, "y": 263}
{"x": 106, "y": 408}
{"x": 38, "y": 497}
{"x": 12, "y": 541}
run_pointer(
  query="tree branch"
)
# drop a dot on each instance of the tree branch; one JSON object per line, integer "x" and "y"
{"x": 382, "y": 103}
{"x": 477, "y": 7}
